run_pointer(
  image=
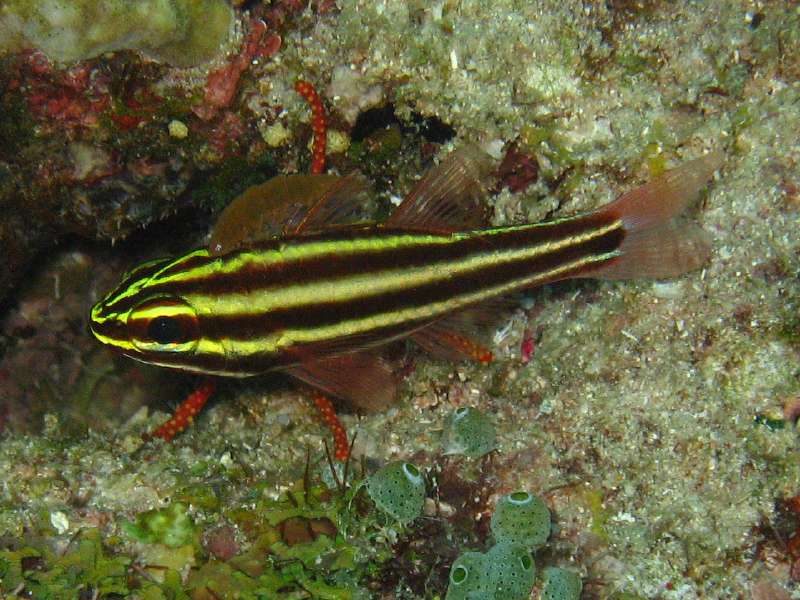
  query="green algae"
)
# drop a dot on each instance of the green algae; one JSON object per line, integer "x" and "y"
{"x": 16, "y": 124}
{"x": 278, "y": 562}
{"x": 215, "y": 189}
{"x": 380, "y": 147}
{"x": 86, "y": 566}
{"x": 171, "y": 526}
{"x": 600, "y": 515}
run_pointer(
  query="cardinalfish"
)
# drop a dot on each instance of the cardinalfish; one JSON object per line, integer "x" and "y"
{"x": 318, "y": 295}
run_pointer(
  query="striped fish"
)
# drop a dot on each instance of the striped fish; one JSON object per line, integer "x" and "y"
{"x": 318, "y": 298}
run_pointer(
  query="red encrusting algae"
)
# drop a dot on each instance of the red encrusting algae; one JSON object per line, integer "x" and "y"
{"x": 318, "y": 124}
{"x": 222, "y": 84}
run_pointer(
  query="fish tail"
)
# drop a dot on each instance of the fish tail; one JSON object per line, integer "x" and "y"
{"x": 656, "y": 244}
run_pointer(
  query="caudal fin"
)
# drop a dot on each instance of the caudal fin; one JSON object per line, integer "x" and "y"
{"x": 657, "y": 245}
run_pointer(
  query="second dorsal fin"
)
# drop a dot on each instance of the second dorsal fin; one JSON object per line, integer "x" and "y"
{"x": 449, "y": 197}
{"x": 290, "y": 204}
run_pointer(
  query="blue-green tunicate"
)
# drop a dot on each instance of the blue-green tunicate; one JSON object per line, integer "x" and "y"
{"x": 468, "y": 431}
{"x": 521, "y": 518}
{"x": 399, "y": 490}
{"x": 466, "y": 577}
{"x": 505, "y": 572}
{"x": 509, "y": 572}
{"x": 560, "y": 584}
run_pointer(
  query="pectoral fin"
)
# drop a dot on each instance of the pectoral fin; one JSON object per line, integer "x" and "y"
{"x": 364, "y": 380}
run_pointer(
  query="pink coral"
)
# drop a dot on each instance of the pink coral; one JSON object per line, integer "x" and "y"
{"x": 222, "y": 84}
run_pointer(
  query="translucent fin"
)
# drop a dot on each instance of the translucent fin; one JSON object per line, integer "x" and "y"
{"x": 659, "y": 253}
{"x": 449, "y": 197}
{"x": 657, "y": 245}
{"x": 665, "y": 197}
{"x": 364, "y": 380}
{"x": 477, "y": 321}
{"x": 354, "y": 343}
{"x": 442, "y": 342}
{"x": 466, "y": 335}
{"x": 344, "y": 202}
{"x": 286, "y": 203}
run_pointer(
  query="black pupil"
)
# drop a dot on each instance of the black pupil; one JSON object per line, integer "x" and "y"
{"x": 164, "y": 330}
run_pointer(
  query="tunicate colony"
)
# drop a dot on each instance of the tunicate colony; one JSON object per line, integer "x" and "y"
{"x": 398, "y": 489}
{"x": 470, "y": 432}
{"x": 520, "y": 524}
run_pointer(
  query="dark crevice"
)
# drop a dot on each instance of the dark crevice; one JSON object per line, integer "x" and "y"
{"x": 430, "y": 128}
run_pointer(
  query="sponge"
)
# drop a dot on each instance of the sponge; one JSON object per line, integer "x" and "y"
{"x": 509, "y": 572}
{"x": 505, "y": 572}
{"x": 467, "y": 577}
{"x": 560, "y": 584}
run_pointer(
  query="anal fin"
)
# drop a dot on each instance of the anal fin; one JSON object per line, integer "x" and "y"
{"x": 451, "y": 345}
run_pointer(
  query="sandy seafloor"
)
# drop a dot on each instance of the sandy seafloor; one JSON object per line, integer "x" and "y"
{"x": 655, "y": 418}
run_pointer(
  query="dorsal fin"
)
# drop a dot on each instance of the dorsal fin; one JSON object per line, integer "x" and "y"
{"x": 287, "y": 204}
{"x": 344, "y": 202}
{"x": 449, "y": 197}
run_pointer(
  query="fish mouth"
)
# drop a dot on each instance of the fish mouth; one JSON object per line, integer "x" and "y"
{"x": 107, "y": 330}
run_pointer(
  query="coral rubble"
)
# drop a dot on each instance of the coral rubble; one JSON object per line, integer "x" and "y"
{"x": 179, "y": 32}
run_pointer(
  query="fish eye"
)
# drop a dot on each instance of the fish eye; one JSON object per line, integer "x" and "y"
{"x": 163, "y": 324}
{"x": 166, "y": 330}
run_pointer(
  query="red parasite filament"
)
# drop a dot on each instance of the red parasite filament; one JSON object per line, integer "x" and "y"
{"x": 185, "y": 413}
{"x": 341, "y": 449}
{"x": 318, "y": 124}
